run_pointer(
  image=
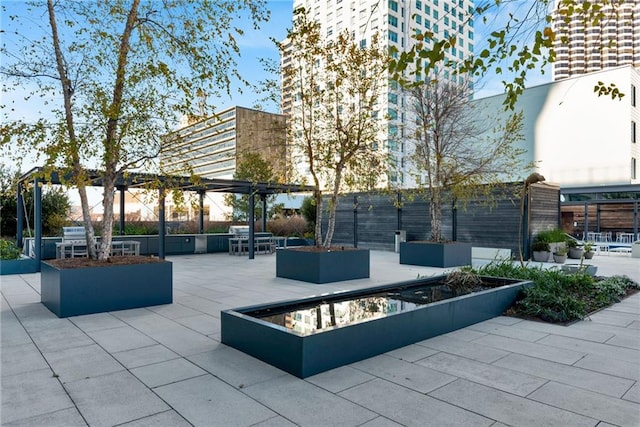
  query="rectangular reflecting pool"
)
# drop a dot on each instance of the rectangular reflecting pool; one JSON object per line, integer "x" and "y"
{"x": 308, "y": 336}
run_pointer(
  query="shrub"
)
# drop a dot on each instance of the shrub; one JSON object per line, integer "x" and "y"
{"x": 541, "y": 246}
{"x": 308, "y": 210}
{"x": 8, "y": 250}
{"x": 551, "y": 236}
{"x": 292, "y": 226}
{"x": 559, "y": 297}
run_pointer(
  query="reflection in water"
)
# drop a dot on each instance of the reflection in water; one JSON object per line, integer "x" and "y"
{"x": 309, "y": 319}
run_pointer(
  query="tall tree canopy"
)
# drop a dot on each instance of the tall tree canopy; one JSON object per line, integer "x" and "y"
{"x": 114, "y": 75}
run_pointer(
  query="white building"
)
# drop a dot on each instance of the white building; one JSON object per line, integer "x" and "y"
{"x": 585, "y": 44}
{"x": 397, "y": 21}
{"x": 578, "y": 138}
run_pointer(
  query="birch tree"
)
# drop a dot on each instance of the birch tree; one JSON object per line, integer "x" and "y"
{"x": 334, "y": 130}
{"x": 114, "y": 76}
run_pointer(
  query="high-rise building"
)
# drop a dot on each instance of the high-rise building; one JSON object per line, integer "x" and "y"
{"x": 592, "y": 41}
{"x": 397, "y": 22}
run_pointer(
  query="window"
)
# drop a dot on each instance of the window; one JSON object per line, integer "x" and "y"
{"x": 446, "y": 20}
{"x": 634, "y": 174}
{"x": 393, "y": 114}
{"x": 363, "y": 43}
{"x": 393, "y": 36}
{"x": 427, "y": 9}
{"x": 633, "y": 96}
{"x": 393, "y": 98}
{"x": 470, "y": 34}
{"x": 435, "y": 28}
{"x": 633, "y": 131}
{"x": 393, "y": 5}
{"x": 435, "y": 14}
{"x": 418, "y": 19}
{"x": 393, "y": 20}
{"x": 446, "y": 8}
{"x": 418, "y": 5}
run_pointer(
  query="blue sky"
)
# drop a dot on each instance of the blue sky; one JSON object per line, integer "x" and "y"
{"x": 258, "y": 44}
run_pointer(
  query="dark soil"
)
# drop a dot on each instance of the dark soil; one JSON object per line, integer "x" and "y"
{"x": 114, "y": 260}
{"x": 323, "y": 249}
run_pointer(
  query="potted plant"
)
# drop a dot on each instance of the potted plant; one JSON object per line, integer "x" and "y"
{"x": 560, "y": 255}
{"x": 541, "y": 251}
{"x": 575, "y": 250}
{"x": 12, "y": 261}
{"x": 588, "y": 250}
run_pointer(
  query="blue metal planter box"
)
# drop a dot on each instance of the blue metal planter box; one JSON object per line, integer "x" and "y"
{"x": 306, "y": 354}
{"x": 18, "y": 266}
{"x": 433, "y": 254}
{"x": 87, "y": 290}
{"x": 322, "y": 266}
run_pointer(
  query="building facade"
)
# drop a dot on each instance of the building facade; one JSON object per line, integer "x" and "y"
{"x": 592, "y": 41}
{"x": 397, "y": 22}
{"x": 213, "y": 147}
{"x": 576, "y": 137}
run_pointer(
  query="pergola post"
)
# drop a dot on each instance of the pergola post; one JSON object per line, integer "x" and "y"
{"x": 19, "y": 215}
{"x": 37, "y": 221}
{"x": 162, "y": 226}
{"x": 122, "y": 190}
{"x": 355, "y": 221}
{"x": 263, "y": 199}
{"x": 636, "y": 236}
{"x": 201, "y": 195}
{"x": 252, "y": 231}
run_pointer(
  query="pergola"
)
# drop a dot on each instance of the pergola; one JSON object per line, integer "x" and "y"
{"x": 125, "y": 181}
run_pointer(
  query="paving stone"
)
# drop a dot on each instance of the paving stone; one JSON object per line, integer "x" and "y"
{"x": 538, "y": 349}
{"x": 144, "y": 356}
{"x": 635, "y": 324}
{"x": 113, "y": 399}
{"x": 167, "y": 372}
{"x": 82, "y": 362}
{"x": 482, "y": 373}
{"x": 32, "y": 394}
{"x": 172, "y": 335}
{"x": 410, "y": 408}
{"x": 203, "y": 399}
{"x": 610, "y": 366}
{"x": 588, "y": 403}
{"x": 610, "y": 351}
{"x": 63, "y": 418}
{"x": 380, "y": 422}
{"x": 471, "y": 350}
{"x": 62, "y": 337}
{"x": 202, "y": 323}
{"x": 306, "y": 404}
{"x": 512, "y": 331}
{"x": 415, "y": 377}
{"x": 626, "y": 341}
{"x": 633, "y": 394}
{"x": 275, "y": 422}
{"x": 573, "y": 331}
{"x": 506, "y": 407}
{"x": 12, "y": 332}
{"x": 578, "y": 377}
{"x": 174, "y": 311}
{"x": 162, "y": 419}
{"x": 466, "y": 334}
{"x": 339, "y": 379}
{"x": 97, "y": 322}
{"x": 234, "y": 367}
{"x": 412, "y": 352}
{"x": 17, "y": 359}
{"x": 613, "y": 318}
{"x": 506, "y": 320}
{"x": 120, "y": 339}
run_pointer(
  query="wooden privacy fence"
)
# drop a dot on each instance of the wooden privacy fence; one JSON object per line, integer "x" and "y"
{"x": 370, "y": 220}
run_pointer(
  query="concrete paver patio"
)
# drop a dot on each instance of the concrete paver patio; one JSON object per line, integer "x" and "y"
{"x": 165, "y": 365}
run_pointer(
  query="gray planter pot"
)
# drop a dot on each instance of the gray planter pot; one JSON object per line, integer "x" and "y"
{"x": 18, "y": 266}
{"x": 77, "y": 291}
{"x": 575, "y": 253}
{"x": 322, "y": 266}
{"x": 404, "y": 322}
{"x": 433, "y": 254}
{"x": 589, "y": 255}
{"x": 559, "y": 259}
{"x": 541, "y": 256}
